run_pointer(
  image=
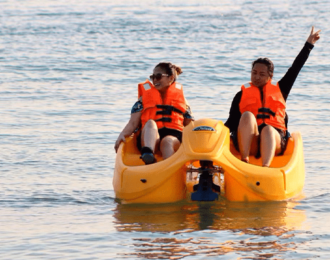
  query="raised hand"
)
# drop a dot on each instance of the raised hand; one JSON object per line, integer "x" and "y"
{"x": 314, "y": 36}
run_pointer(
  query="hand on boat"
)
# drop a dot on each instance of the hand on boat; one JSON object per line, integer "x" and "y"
{"x": 121, "y": 138}
{"x": 314, "y": 36}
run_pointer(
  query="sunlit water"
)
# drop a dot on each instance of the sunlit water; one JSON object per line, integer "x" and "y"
{"x": 69, "y": 72}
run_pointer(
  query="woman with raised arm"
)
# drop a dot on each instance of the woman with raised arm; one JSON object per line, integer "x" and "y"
{"x": 257, "y": 118}
{"x": 161, "y": 111}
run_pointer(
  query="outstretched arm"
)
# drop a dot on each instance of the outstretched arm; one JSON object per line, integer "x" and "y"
{"x": 289, "y": 78}
{"x": 132, "y": 124}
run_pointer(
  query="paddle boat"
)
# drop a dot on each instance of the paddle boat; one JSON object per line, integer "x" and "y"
{"x": 207, "y": 166}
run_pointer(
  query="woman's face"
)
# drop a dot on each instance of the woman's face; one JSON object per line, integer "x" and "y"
{"x": 259, "y": 75}
{"x": 164, "y": 81}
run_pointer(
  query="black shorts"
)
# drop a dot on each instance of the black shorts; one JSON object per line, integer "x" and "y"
{"x": 285, "y": 135}
{"x": 162, "y": 133}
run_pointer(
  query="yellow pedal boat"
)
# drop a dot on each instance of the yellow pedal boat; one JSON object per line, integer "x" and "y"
{"x": 206, "y": 146}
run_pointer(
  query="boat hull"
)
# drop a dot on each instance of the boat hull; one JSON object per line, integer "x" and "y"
{"x": 173, "y": 179}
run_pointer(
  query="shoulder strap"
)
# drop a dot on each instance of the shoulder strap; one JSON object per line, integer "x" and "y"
{"x": 246, "y": 85}
{"x": 142, "y": 87}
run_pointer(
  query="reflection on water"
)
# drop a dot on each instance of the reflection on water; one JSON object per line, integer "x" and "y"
{"x": 222, "y": 215}
{"x": 179, "y": 248}
{"x": 262, "y": 226}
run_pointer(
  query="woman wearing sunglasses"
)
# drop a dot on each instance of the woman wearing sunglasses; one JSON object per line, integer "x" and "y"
{"x": 162, "y": 111}
{"x": 257, "y": 118}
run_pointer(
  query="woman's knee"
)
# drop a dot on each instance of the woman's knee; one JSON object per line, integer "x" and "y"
{"x": 150, "y": 124}
{"x": 268, "y": 131}
{"x": 170, "y": 142}
{"x": 150, "y": 135}
{"x": 247, "y": 118}
{"x": 270, "y": 134}
{"x": 248, "y": 123}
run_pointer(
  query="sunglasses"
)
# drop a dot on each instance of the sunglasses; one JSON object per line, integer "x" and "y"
{"x": 157, "y": 76}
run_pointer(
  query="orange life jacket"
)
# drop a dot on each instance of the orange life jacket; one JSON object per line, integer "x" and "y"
{"x": 267, "y": 105}
{"x": 166, "y": 113}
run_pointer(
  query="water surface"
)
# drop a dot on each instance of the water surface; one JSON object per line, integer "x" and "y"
{"x": 69, "y": 72}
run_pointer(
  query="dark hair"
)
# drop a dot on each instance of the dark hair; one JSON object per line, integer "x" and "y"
{"x": 170, "y": 69}
{"x": 268, "y": 63}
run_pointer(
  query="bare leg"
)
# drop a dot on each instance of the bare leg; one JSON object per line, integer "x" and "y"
{"x": 150, "y": 135}
{"x": 270, "y": 143}
{"x": 247, "y": 135}
{"x": 169, "y": 145}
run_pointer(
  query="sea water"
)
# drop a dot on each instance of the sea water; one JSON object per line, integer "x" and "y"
{"x": 68, "y": 78}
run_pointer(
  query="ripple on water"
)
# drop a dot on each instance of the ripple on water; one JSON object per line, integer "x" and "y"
{"x": 69, "y": 74}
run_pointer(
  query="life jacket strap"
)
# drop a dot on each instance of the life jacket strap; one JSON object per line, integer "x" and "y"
{"x": 266, "y": 110}
{"x": 164, "y": 112}
{"x": 263, "y": 116}
{"x": 167, "y": 110}
{"x": 164, "y": 119}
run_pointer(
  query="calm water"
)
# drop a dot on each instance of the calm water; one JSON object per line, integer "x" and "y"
{"x": 69, "y": 72}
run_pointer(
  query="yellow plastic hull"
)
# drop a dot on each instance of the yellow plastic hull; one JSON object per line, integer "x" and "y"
{"x": 167, "y": 180}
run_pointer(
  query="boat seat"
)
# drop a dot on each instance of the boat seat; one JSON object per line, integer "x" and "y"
{"x": 131, "y": 154}
{"x": 278, "y": 161}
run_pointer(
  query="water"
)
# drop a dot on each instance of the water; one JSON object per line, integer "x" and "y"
{"x": 69, "y": 72}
